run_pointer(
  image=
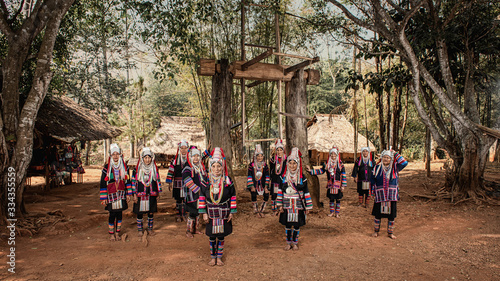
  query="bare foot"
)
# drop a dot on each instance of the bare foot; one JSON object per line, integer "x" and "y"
{"x": 392, "y": 236}
{"x": 124, "y": 237}
{"x": 331, "y": 214}
{"x": 212, "y": 262}
{"x": 295, "y": 247}
{"x": 151, "y": 232}
{"x": 178, "y": 219}
{"x": 219, "y": 262}
{"x": 112, "y": 237}
{"x": 287, "y": 247}
{"x": 337, "y": 215}
{"x": 189, "y": 234}
{"x": 117, "y": 236}
{"x": 261, "y": 215}
{"x": 139, "y": 233}
{"x": 375, "y": 234}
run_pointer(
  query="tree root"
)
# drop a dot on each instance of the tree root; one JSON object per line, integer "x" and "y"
{"x": 442, "y": 194}
{"x": 31, "y": 225}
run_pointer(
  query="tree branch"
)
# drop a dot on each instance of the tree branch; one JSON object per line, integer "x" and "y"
{"x": 384, "y": 15}
{"x": 4, "y": 24}
{"x": 351, "y": 16}
{"x": 437, "y": 118}
{"x": 396, "y": 7}
{"x": 13, "y": 19}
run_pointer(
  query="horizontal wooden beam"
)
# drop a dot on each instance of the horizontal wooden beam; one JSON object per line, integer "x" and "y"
{"x": 257, "y": 72}
{"x": 295, "y": 115}
{"x": 300, "y": 65}
{"x": 259, "y": 140}
{"x": 255, "y": 60}
{"x": 293, "y": 56}
{"x": 255, "y": 83}
{"x": 259, "y": 46}
{"x": 258, "y": 5}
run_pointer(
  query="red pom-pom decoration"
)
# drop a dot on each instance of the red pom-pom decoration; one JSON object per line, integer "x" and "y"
{"x": 106, "y": 178}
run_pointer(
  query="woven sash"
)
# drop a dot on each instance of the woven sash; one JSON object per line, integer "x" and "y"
{"x": 276, "y": 186}
{"x": 259, "y": 188}
{"x": 365, "y": 185}
{"x": 117, "y": 196}
{"x": 218, "y": 213}
{"x": 144, "y": 204}
{"x": 117, "y": 205}
{"x": 292, "y": 204}
{"x": 385, "y": 208}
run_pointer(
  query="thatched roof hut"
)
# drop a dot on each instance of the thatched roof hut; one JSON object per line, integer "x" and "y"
{"x": 63, "y": 119}
{"x": 172, "y": 130}
{"x": 324, "y": 132}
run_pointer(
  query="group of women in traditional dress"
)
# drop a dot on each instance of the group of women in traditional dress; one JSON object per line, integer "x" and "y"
{"x": 211, "y": 192}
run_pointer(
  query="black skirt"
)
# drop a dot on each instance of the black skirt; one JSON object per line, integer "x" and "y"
{"x": 153, "y": 206}
{"x": 110, "y": 208}
{"x": 378, "y": 214}
{"x": 300, "y": 221}
{"x": 192, "y": 208}
{"x": 176, "y": 194}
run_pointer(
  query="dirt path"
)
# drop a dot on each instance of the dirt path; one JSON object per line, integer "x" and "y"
{"x": 436, "y": 241}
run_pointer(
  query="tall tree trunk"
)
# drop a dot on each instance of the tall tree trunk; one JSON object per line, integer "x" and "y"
{"x": 17, "y": 124}
{"x": 296, "y": 128}
{"x": 403, "y": 127}
{"x": 396, "y": 113}
{"x": 428, "y": 152}
{"x": 87, "y": 152}
{"x": 497, "y": 152}
{"x": 389, "y": 115}
{"x": 220, "y": 119}
{"x": 381, "y": 124}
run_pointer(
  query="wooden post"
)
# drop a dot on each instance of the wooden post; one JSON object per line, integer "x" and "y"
{"x": 220, "y": 119}
{"x": 355, "y": 107}
{"x": 278, "y": 84}
{"x": 428, "y": 152}
{"x": 242, "y": 83}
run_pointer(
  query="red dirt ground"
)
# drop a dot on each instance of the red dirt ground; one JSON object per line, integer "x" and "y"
{"x": 435, "y": 240}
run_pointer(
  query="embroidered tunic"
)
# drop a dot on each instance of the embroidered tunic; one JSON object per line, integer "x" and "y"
{"x": 114, "y": 191}
{"x": 218, "y": 207}
{"x": 363, "y": 172}
{"x": 174, "y": 176}
{"x": 256, "y": 179}
{"x": 336, "y": 180}
{"x": 386, "y": 190}
{"x": 276, "y": 171}
{"x": 147, "y": 191}
{"x": 193, "y": 181}
{"x": 294, "y": 199}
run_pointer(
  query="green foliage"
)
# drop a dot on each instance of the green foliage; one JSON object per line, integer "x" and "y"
{"x": 329, "y": 94}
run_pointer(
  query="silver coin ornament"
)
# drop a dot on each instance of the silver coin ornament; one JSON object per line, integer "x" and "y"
{"x": 216, "y": 190}
{"x": 289, "y": 190}
{"x": 258, "y": 175}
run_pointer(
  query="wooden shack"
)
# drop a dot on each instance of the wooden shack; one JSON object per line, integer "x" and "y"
{"x": 60, "y": 124}
{"x": 172, "y": 130}
{"x": 325, "y": 131}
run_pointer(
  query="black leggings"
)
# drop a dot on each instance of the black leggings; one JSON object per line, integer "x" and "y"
{"x": 141, "y": 215}
{"x": 254, "y": 196}
{"x": 115, "y": 216}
